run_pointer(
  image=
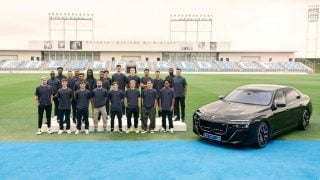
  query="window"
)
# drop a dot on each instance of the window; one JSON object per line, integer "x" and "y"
{"x": 227, "y": 59}
{"x": 279, "y": 98}
{"x": 158, "y": 59}
{"x": 291, "y": 95}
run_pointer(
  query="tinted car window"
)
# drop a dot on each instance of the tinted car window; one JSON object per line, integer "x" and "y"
{"x": 246, "y": 96}
{"x": 291, "y": 95}
{"x": 279, "y": 97}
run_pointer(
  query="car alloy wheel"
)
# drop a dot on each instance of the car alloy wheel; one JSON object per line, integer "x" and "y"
{"x": 305, "y": 120}
{"x": 262, "y": 135}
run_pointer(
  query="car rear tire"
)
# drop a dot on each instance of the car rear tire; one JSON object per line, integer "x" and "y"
{"x": 304, "y": 122}
{"x": 261, "y": 135}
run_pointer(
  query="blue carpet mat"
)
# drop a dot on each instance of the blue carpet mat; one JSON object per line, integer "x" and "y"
{"x": 159, "y": 160}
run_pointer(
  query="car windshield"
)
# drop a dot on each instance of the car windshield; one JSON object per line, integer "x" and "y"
{"x": 248, "y": 96}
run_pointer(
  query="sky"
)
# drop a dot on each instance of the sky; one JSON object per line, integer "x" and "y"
{"x": 247, "y": 24}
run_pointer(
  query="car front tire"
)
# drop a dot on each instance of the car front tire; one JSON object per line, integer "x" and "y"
{"x": 261, "y": 135}
{"x": 304, "y": 122}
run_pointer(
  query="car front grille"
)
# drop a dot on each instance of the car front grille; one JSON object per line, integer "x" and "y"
{"x": 215, "y": 127}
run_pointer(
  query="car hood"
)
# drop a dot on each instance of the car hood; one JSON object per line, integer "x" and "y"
{"x": 222, "y": 108}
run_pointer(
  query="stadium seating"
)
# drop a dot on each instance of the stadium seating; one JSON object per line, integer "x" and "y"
{"x": 162, "y": 65}
{"x": 293, "y": 66}
{"x": 98, "y": 65}
{"x": 185, "y": 66}
{"x": 249, "y": 66}
{"x": 10, "y": 64}
{"x": 122, "y": 63}
{"x": 77, "y": 64}
{"x": 53, "y": 65}
{"x": 271, "y": 67}
{"x": 141, "y": 65}
{"x": 204, "y": 66}
{"x": 31, "y": 65}
{"x": 227, "y": 66}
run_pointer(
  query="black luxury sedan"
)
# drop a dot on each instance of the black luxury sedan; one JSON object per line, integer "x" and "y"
{"x": 252, "y": 114}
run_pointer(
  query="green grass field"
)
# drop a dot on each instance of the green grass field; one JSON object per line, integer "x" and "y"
{"x": 18, "y": 113}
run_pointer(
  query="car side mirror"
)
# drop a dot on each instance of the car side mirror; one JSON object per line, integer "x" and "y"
{"x": 221, "y": 97}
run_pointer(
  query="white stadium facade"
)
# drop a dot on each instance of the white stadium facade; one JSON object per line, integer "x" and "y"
{"x": 189, "y": 56}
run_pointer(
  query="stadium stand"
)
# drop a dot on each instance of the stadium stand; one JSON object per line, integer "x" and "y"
{"x": 227, "y": 66}
{"x": 271, "y": 67}
{"x": 98, "y": 65}
{"x": 162, "y": 65}
{"x": 10, "y": 64}
{"x": 204, "y": 66}
{"x": 141, "y": 65}
{"x": 31, "y": 65}
{"x": 52, "y": 65}
{"x": 249, "y": 66}
{"x": 77, "y": 65}
{"x": 293, "y": 66}
{"x": 185, "y": 66}
{"x": 115, "y": 63}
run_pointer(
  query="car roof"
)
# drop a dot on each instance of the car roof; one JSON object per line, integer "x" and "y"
{"x": 264, "y": 87}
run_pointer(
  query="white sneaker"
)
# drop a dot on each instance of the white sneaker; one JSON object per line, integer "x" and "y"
{"x": 60, "y": 131}
{"x": 77, "y": 131}
{"x": 171, "y": 130}
{"x": 69, "y": 131}
{"x": 87, "y": 131}
{"x": 127, "y": 130}
{"x": 49, "y": 131}
{"x": 39, "y": 132}
{"x": 152, "y": 131}
{"x": 143, "y": 132}
{"x": 136, "y": 130}
{"x": 162, "y": 130}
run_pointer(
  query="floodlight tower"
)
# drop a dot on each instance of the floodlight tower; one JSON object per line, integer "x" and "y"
{"x": 312, "y": 31}
{"x": 75, "y": 18}
{"x": 187, "y": 18}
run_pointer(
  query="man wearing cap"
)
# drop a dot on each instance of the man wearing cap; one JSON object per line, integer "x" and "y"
{"x": 43, "y": 101}
{"x": 180, "y": 90}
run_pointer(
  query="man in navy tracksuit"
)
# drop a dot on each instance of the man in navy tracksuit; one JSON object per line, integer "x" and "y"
{"x": 132, "y": 101}
{"x": 65, "y": 96}
{"x": 116, "y": 97}
{"x": 158, "y": 85}
{"x": 82, "y": 97}
{"x": 92, "y": 82}
{"x": 121, "y": 80}
{"x": 99, "y": 97}
{"x": 149, "y": 101}
{"x": 43, "y": 99}
{"x": 180, "y": 90}
{"x": 71, "y": 81}
{"x": 55, "y": 84}
{"x": 166, "y": 103}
